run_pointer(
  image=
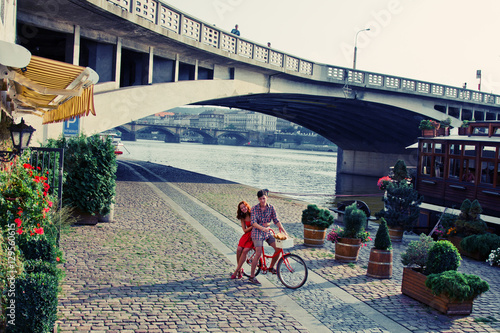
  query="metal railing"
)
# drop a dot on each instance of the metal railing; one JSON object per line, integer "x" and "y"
{"x": 51, "y": 162}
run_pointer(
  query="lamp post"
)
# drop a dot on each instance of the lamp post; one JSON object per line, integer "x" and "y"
{"x": 356, "y": 46}
{"x": 21, "y": 136}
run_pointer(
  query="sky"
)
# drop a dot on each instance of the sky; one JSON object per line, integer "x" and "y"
{"x": 439, "y": 41}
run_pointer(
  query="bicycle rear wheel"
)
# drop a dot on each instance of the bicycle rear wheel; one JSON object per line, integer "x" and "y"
{"x": 292, "y": 271}
{"x": 248, "y": 264}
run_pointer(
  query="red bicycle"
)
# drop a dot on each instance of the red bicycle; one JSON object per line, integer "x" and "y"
{"x": 291, "y": 268}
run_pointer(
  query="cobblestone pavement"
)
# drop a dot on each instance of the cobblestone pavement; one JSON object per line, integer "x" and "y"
{"x": 151, "y": 271}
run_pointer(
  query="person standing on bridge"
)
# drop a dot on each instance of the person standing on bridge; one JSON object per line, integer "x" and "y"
{"x": 245, "y": 244}
{"x": 235, "y": 31}
{"x": 262, "y": 215}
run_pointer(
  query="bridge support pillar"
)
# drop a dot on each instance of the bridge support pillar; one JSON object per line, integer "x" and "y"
{"x": 129, "y": 136}
{"x": 366, "y": 163}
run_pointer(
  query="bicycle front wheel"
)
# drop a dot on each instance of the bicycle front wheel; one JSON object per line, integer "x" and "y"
{"x": 292, "y": 271}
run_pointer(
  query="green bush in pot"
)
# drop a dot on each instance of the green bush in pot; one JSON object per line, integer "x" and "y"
{"x": 442, "y": 256}
{"x": 456, "y": 286}
{"x": 483, "y": 244}
{"x": 401, "y": 206}
{"x": 90, "y": 173}
{"x": 317, "y": 217}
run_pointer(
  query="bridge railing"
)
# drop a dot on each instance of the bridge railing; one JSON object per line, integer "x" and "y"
{"x": 182, "y": 24}
{"x": 174, "y": 20}
{"x": 405, "y": 85}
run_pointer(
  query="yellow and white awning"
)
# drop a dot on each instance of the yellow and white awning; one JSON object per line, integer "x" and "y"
{"x": 51, "y": 89}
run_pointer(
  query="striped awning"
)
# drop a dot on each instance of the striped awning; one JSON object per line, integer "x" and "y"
{"x": 51, "y": 89}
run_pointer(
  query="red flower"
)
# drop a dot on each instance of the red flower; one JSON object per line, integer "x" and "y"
{"x": 18, "y": 222}
{"x": 50, "y": 203}
{"x": 57, "y": 259}
{"x": 39, "y": 231}
{"x": 20, "y": 212}
{"x": 20, "y": 231}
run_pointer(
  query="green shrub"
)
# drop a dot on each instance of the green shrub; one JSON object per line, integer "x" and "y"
{"x": 456, "y": 285}
{"x": 317, "y": 217}
{"x": 468, "y": 221}
{"x": 400, "y": 171}
{"x": 90, "y": 173}
{"x": 354, "y": 221}
{"x": 417, "y": 252}
{"x": 382, "y": 238}
{"x": 35, "y": 303}
{"x": 442, "y": 256}
{"x": 401, "y": 205}
{"x": 483, "y": 244}
{"x": 40, "y": 247}
{"x": 40, "y": 266}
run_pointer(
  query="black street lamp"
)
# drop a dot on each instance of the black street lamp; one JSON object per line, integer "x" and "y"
{"x": 21, "y": 136}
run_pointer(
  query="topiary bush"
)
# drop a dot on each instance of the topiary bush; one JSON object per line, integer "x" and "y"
{"x": 382, "y": 238}
{"x": 456, "y": 285}
{"x": 416, "y": 253}
{"x": 35, "y": 302}
{"x": 442, "y": 256}
{"x": 482, "y": 244}
{"x": 39, "y": 248}
{"x": 468, "y": 221}
{"x": 317, "y": 217}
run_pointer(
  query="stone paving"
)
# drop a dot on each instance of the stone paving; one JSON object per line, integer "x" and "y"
{"x": 150, "y": 271}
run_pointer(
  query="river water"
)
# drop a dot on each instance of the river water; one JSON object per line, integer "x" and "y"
{"x": 305, "y": 175}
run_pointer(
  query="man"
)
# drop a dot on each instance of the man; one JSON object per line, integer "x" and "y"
{"x": 262, "y": 215}
{"x": 235, "y": 31}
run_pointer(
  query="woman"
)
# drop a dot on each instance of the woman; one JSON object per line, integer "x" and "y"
{"x": 245, "y": 243}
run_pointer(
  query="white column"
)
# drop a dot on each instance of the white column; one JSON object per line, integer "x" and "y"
{"x": 118, "y": 65}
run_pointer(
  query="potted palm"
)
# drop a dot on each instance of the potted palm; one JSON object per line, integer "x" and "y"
{"x": 380, "y": 262}
{"x": 349, "y": 240}
{"x": 436, "y": 281}
{"x": 316, "y": 220}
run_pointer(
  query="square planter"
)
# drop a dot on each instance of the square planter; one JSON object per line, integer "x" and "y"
{"x": 413, "y": 285}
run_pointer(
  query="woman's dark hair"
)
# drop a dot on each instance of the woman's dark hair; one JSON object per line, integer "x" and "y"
{"x": 239, "y": 214}
{"x": 263, "y": 192}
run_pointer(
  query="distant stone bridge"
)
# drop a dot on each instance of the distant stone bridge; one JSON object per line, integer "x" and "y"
{"x": 173, "y": 133}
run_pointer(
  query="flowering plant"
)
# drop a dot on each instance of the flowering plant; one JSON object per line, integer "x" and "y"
{"x": 24, "y": 199}
{"x": 426, "y": 124}
{"x": 494, "y": 257}
{"x": 336, "y": 233}
{"x": 383, "y": 182}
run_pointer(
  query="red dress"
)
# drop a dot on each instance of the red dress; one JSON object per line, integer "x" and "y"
{"x": 246, "y": 239}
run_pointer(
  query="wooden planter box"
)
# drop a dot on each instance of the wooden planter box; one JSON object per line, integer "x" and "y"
{"x": 413, "y": 285}
{"x": 455, "y": 240}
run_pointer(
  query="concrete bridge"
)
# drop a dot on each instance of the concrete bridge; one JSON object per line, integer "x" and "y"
{"x": 173, "y": 133}
{"x": 152, "y": 57}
